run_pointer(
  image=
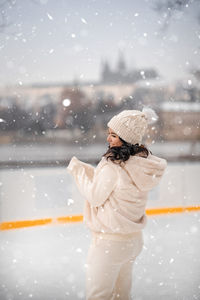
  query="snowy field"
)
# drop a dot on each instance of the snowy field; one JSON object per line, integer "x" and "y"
{"x": 48, "y": 262}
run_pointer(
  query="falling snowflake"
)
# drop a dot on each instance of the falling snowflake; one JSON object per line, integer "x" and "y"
{"x": 83, "y": 20}
{"x": 79, "y": 250}
{"x": 49, "y": 16}
{"x": 66, "y": 102}
{"x": 70, "y": 201}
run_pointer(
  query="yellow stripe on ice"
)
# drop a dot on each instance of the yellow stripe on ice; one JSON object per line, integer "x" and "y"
{"x": 79, "y": 218}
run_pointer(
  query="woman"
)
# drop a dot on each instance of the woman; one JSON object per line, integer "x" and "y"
{"x": 116, "y": 194}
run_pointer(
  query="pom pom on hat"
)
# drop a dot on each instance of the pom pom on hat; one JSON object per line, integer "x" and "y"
{"x": 131, "y": 125}
{"x": 150, "y": 114}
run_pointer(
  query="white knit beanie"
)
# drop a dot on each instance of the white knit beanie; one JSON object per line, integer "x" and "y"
{"x": 130, "y": 125}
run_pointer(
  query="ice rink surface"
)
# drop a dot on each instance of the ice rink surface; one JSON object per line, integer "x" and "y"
{"x": 48, "y": 262}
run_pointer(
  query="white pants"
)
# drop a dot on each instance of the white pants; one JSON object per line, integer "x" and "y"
{"x": 109, "y": 267}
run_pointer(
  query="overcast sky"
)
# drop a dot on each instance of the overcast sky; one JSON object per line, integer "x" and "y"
{"x": 56, "y": 41}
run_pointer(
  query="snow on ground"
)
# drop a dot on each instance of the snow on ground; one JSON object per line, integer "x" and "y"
{"x": 48, "y": 262}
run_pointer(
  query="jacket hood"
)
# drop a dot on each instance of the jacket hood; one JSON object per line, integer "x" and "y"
{"x": 145, "y": 172}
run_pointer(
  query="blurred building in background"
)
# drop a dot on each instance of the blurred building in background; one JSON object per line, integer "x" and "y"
{"x": 121, "y": 74}
{"x": 65, "y": 113}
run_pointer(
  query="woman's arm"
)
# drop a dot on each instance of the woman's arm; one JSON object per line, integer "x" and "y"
{"x": 76, "y": 162}
{"x": 96, "y": 189}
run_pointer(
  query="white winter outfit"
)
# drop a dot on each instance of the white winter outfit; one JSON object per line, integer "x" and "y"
{"x": 114, "y": 210}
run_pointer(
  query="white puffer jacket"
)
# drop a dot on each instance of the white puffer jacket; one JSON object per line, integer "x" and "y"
{"x": 116, "y": 195}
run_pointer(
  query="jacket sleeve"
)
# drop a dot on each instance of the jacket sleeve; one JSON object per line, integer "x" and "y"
{"x": 96, "y": 189}
{"x": 89, "y": 170}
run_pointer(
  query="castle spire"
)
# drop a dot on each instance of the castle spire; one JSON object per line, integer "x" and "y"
{"x": 121, "y": 65}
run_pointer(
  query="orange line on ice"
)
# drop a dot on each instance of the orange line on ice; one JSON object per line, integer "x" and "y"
{"x": 79, "y": 218}
{"x": 166, "y": 210}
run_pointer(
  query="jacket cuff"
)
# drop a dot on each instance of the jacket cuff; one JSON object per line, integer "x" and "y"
{"x": 72, "y": 164}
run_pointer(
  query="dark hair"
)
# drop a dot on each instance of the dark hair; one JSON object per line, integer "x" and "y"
{"x": 122, "y": 153}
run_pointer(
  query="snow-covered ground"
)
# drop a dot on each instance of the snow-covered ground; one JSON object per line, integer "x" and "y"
{"x": 48, "y": 262}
